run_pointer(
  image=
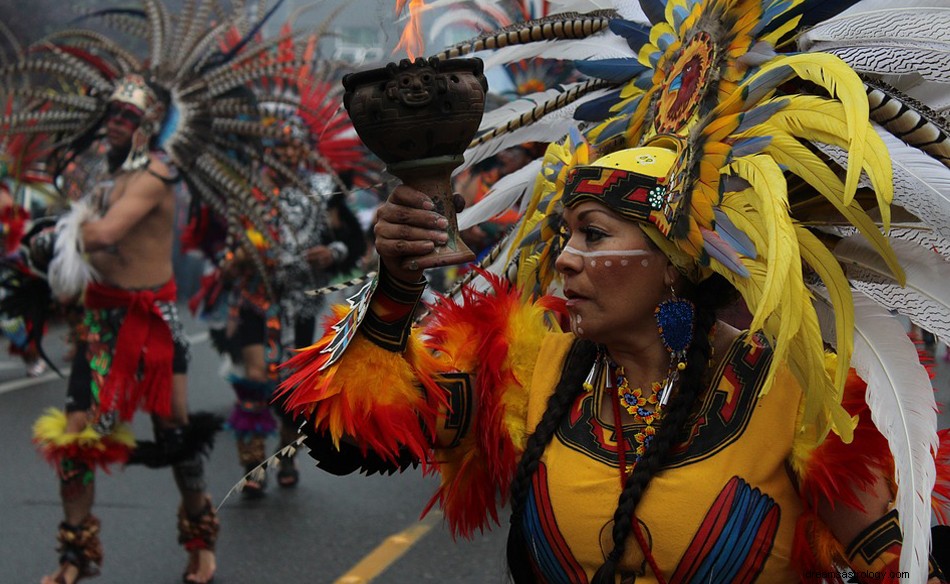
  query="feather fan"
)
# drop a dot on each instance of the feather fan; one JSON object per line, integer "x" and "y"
{"x": 902, "y": 404}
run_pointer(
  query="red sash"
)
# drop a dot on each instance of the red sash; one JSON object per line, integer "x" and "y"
{"x": 143, "y": 338}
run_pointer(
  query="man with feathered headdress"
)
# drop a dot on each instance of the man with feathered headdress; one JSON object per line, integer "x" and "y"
{"x": 188, "y": 108}
{"x": 115, "y": 249}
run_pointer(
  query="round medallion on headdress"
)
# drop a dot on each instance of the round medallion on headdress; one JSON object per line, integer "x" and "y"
{"x": 686, "y": 83}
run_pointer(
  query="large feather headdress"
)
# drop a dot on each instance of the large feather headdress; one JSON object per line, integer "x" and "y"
{"x": 212, "y": 64}
{"x": 810, "y": 173}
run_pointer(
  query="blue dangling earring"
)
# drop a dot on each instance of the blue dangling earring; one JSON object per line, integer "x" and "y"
{"x": 675, "y": 319}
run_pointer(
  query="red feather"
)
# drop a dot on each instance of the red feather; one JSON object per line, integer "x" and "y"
{"x": 835, "y": 469}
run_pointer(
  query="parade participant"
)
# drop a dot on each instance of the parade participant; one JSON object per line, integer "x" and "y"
{"x": 315, "y": 239}
{"x": 199, "y": 108}
{"x": 132, "y": 353}
{"x": 650, "y": 441}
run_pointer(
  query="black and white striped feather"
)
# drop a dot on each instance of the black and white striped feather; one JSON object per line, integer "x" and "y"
{"x": 925, "y": 299}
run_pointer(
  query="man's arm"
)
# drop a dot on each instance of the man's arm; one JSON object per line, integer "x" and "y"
{"x": 143, "y": 193}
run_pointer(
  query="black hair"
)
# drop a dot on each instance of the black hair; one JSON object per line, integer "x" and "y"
{"x": 709, "y": 296}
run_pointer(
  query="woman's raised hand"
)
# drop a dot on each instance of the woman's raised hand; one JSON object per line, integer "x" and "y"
{"x": 407, "y": 228}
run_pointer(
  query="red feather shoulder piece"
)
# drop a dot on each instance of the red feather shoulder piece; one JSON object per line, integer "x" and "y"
{"x": 497, "y": 338}
{"x": 370, "y": 395}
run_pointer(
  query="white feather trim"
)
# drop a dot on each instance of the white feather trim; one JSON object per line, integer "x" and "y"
{"x": 69, "y": 272}
{"x": 901, "y": 399}
{"x": 503, "y": 195}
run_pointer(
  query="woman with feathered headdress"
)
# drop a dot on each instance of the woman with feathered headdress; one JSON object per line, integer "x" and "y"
{"x": 650, "y": 440}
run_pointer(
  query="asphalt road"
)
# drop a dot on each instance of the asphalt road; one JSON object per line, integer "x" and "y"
{"x": 327, "y": 530}
{"x": 324, "y": 531}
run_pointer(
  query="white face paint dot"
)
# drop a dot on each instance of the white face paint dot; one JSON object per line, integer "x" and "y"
{"x": 580, "y": 331}
{"x": 608, "y": 263}
{"x": 644, "y": 263}
{"x": 593, "y": 263}
{"x": 578, "y": 319}
{"x": 624, "y": 262}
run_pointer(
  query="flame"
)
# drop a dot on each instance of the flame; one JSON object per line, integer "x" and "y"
{"x": 411, "y": 39}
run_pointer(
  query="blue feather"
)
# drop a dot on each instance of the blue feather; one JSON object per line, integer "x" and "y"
{"x": 735, "y": 237}
{"x": 654, "y": 9}
{"x": 747, "y": 146}
{"x": 170, "y": 125}
{"x": 598, "y": 109}
{"x": 760, "y": 114}
{"x": 770, "y": 11}
{"x": 618, "y": 70}
{"x": 718, "y": 248}
{"x": 644, "y": 81}
{"x": 679, "y": 15}
{"x": 753, "y": 91}
{"x": 664, "y": 41}
{"x": 636, "y": 34}
{"x": 615, "y": 128}
{"x": 811, "y": 11}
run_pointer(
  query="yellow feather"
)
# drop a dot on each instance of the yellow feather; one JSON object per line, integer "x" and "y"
{"x": 824, "y": 263}
{"x": 841, "y": 82}
{"x": 774, "y": 36}
{"x": 767, "y": 181}
{"x": 804, "y": 163}
{"x": 825, "y": 120}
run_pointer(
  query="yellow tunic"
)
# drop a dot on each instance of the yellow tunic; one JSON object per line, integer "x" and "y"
{"x": 723, "y": 510}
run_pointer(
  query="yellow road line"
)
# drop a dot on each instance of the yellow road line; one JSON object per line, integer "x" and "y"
{"x": 386, "y": 553}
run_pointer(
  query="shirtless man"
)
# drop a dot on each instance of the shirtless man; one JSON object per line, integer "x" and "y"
{"x": 132, "y": 352}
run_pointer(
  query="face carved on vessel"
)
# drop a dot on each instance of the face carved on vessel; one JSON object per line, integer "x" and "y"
{"x": 415, "y": 87}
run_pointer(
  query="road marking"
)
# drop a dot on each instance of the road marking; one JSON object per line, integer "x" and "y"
{"x": 31, "y": 381}
{"x": 386, "y": 553}
{"x": 16, "y": 384}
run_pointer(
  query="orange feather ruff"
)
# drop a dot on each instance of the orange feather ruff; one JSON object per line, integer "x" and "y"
{"x": 496, "y": 337}
{"x": 836, "y": 470}
{"x": 370, "y": 395}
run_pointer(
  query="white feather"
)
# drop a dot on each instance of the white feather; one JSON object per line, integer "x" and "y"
{"x": 550, "y": 128}
{"x": 888, "y": 41}
{"x": 69, "y": 272}
{"x": 934, "y": 95}
{"x": 503, "y": 195}
{"x": 458, "y": 16}
{"x": 524, "y": 104}
{"x": 911, "y": 232}
{"x": 901, "y": 399}
{"x": 921, "y": 184}
{"x": 604, "y": 45}
{"x": 925, "y": 299}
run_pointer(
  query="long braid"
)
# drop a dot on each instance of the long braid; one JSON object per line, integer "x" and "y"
{"x": 579, "y": 361}
{"x": 692, "y": 384}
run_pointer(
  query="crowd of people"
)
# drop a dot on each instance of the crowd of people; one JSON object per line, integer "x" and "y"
{"x": 667, "y": 362}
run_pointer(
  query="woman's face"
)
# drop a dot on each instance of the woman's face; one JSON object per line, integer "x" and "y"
{"x": 613, "y": 276}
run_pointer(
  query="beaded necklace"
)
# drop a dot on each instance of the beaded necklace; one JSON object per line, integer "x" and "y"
{"x": 632, "y": 400}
